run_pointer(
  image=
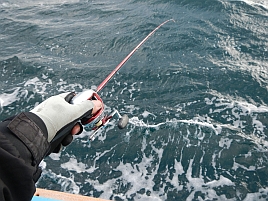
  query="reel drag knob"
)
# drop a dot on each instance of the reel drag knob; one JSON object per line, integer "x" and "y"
{"x": 122, "y": 123}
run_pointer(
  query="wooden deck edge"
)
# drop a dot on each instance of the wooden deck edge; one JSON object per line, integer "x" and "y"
{"x": 63, "y": 196}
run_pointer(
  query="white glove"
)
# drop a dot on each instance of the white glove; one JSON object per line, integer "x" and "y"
{"x": 57, "y": 113}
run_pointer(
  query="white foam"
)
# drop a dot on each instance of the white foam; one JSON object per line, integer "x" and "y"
{"x": 74, "y": 165}
{"x": 235, "y": 111}
{"x": 216, "y": 129}
{"x": 55, "y": 156}
{"x": 67, "y": 183}
{"x": 140, "y": 123}
{"x": 39, "y": 87}
{"x": 199, "y": 185}
{"x": 22, "y": 3}
{"x": 262, "y": 3}
{"x": 9, "y": 98}
{"x": 225, "y": 142}
{"x": 145, "y": 114}
{"x": 222, "y": 181}
{"x": 257, "y": 195}
{"x": 136, "y": 176}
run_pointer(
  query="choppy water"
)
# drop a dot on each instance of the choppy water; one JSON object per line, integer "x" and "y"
{"x": 195, "y": 92}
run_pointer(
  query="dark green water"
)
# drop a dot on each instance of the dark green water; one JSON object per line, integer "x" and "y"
{"x": 195, "y": 92}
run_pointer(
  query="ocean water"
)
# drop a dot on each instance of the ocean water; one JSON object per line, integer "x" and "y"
{"x": 195, "y": 93}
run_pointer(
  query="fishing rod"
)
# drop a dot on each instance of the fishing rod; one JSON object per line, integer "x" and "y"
{"x": 104, "y": 82}
{"x": 98, "y": 120}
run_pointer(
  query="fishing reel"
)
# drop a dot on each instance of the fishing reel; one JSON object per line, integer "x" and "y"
{"x": 99, "y": 119}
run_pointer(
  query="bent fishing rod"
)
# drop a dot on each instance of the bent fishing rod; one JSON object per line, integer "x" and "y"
{"x": 99, "y": 119}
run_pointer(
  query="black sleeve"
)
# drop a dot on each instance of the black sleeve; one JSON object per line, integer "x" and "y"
{"x": 23, "y": 144}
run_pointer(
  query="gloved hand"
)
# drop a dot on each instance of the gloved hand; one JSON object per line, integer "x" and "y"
{"x": 60, "y": 117}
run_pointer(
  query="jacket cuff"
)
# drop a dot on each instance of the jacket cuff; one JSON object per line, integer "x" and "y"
{"x": 30, "y": 129}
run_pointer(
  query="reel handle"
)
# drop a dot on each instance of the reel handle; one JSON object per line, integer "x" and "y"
{"x": 123, "y": 121}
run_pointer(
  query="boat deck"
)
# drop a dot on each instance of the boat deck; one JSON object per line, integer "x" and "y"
{"x": 50, "y": 195}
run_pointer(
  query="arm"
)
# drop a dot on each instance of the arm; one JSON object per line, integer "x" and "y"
{"x": 23, "y": 144}
{"x": 26, "y": 139}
